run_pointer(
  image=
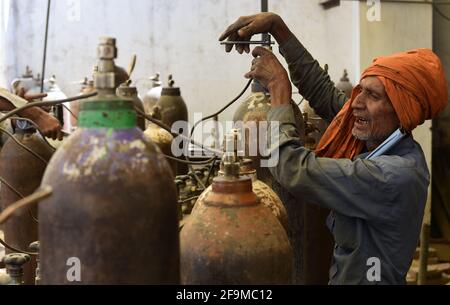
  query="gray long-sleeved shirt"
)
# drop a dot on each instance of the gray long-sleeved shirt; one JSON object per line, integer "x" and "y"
{"x": 377, "y": 205}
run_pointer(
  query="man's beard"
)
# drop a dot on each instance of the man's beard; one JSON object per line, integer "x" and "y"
{"x": 361, "y": 137}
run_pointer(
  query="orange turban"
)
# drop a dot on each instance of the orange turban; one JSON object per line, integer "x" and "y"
{"x": 416, "y": 85}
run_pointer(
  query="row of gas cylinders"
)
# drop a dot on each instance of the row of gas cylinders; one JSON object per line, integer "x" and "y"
{"x": 114, "y": 206}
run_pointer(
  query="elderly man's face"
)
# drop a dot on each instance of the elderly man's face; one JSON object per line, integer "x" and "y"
{"x": 375, "y": 117}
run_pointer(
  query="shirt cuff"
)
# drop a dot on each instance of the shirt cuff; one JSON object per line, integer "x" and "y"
{"x": 282, "y": 114}
{"x": 282, "y": 125}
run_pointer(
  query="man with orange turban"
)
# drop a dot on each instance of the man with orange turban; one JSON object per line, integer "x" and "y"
{"x": 377, "y": 196}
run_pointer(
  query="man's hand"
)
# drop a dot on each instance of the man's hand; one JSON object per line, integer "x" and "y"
{"x": 48, "y": 125}
{"x": 245, "y": 27}
{"x": 32, "y": 97}
{"x": 269, "y": 72}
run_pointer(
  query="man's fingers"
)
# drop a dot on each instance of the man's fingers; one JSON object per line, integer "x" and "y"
{"x": 260, "y": 51}
{"x": 234, "y": 28}
{"x": 250, "y": 74}
{"x": 34, "y": 96}
{"x": 246, "y": 31}
{"x": 229, "y": 47}
{"x": 21, "y": 92}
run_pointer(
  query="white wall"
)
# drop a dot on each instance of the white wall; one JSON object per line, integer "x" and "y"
{"x": 170, "y": 36}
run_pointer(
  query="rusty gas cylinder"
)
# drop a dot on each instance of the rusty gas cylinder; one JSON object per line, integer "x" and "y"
{"x": 113, "y": 210}
{"x": 23, "y": 171}
{"x": 173, "y": 107}
{"x": 232, "y": 238}
{"x": 127, "y": 91}
{"x": 264, "y": 193}
{"x": 161, "y": 137}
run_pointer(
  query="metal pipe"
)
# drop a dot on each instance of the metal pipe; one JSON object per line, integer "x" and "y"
{"x": 44, "y": 60}
{"x": 32, "y": 199}
{"x": 424, "y": 251}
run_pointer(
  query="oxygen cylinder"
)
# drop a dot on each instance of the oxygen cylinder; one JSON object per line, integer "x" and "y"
{"x": 153, "y": 95}
{"x": 23, "y": 171}
{"x": 173, "y": 109}
{"x": 232, "y": 238}
{"x": 113, "y": 212}
{"x": 26, "y": 82}
{"x": 264, "y": 193}
{"x": 7, "y": 126}
{"x": 161, "y": 137}
{"x": 128, "y": 92}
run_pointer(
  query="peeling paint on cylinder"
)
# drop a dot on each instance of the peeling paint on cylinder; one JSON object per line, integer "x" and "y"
{"x": 108, "y": 209}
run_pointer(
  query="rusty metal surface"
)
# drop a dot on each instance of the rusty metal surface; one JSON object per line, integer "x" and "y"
{"x": 24, "y": 172}
{"x": 114, "y": 207}
{"x": 264, "y": 193}
{"x": 173, "y": 109}
{"x": 231, "y": 238}
{"x": 172, "y": 105}
{"x": 163, "y": 139}
{"x": 128, "y": 92}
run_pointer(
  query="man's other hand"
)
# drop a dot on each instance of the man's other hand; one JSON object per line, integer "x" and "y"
{"x": 49, "y": 125}
{"x": 269, "y": 72}
{"x": 247, "y": 26}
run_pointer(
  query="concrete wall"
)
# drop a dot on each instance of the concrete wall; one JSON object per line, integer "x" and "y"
{"x": 170, "y": 36}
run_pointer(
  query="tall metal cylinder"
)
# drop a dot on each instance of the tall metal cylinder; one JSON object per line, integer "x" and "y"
{"x": 162, "y": 138}
{"x": 172, "y": 105}
{"x": 112, "y": 217}
{"x": 24, "y": 172}
{"x": 173, "y": 109}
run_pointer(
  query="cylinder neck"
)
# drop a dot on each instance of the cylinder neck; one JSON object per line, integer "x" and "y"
{"x": 171, "y": 92}
{"x": 108, "y": 113}
{"x": 232, "y": 192}
{"x": 226, "y": 185}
